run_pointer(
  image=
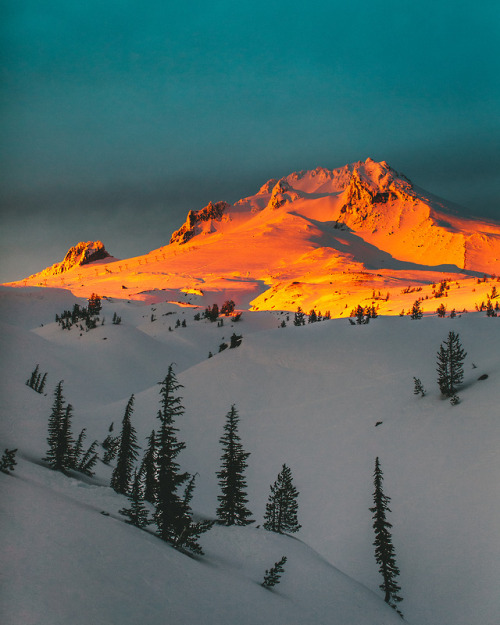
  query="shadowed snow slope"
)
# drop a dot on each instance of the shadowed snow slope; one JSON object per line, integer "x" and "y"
{"x": 309, "y": 397}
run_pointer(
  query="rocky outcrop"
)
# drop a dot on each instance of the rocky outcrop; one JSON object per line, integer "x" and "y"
{"x": 282, "y": 194}
{"x": 188, "y": 229}
{"x": 82, "y": 253}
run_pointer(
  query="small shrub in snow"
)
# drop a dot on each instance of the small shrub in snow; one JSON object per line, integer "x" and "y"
{"x": 273, "y": 575}
{"x": 8, "y": 461}
{"x": 418, "y": 388}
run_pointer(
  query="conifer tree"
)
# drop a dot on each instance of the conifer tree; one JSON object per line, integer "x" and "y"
{"x": 416, "y": 310}
{"x": 59, "y": 438}
{"x": 173, "y": 514}
{"x": 450, "y": 358}
{"x": 418, "y": 388}
{"x": 137, "y": 513}
{"x": 232, "y": 509}
{"x": 148, "y": 469}
{"x": 127, "y": 453}
{"x": 384, "y": 550}
{"x": 88, "y": 461}
{"x": 299, "y": 318}
{"x": 281, "y": 508}
{"x": 8, "y": 461}
{"x": 273, "y": 575}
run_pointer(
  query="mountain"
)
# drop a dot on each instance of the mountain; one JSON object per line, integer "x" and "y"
{"x": 323, "y": 239}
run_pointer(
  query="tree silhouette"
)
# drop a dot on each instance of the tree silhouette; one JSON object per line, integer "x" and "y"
{"x": 384, "y": 550}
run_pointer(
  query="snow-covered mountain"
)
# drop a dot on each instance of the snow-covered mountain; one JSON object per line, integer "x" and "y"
{"x": 325, "y": 398}
{"x": 321, "y": 238}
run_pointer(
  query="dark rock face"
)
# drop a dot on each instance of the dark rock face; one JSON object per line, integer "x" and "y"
{"x": 188, "y": 230}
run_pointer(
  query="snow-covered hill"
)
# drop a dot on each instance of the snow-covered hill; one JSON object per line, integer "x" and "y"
{"x": 324, "y": 239}
{"x": 308, "y": 396}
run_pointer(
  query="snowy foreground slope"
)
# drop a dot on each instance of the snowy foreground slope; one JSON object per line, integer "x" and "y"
{"x": 308, "y": 396}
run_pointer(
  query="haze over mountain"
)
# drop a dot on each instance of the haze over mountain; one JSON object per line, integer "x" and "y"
{"x": 320, "y": 238}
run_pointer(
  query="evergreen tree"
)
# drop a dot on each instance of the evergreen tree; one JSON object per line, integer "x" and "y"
{"x": 418, "y": 388}
{"x": 281, "y": 508}
{"x": 441, "y": 310}
{"x": 59, "y": 454}
{"x": 450, "y": 359}
{"x": 272, "y": 576}
{"x": 232, "y": 509}
{"x": 300, "y": 318}
{"x": 94, "y": 304}
{"x": 313, "y": 317}
{"x": 384, "y": 550}
{"x": 137, "y": 513}
{"x": 148, "y": 469}
{"x": 416, "y": 310}
{"x": 359, "y": 313}
{"x": 173, "y": 514}
{"x": 235, "y": 340}
{"x": 127, "y": 453}
{"x": 8, "y": 461}
{"x": 88, "y": 461}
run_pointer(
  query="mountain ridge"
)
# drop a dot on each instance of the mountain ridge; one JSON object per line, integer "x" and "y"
{"x": 312, "y": 238}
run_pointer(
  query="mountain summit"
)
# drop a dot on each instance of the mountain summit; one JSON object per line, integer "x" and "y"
{"x": 320, "y": 238}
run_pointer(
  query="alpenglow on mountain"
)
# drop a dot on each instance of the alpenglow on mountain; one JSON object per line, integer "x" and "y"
{"x": 321, "y": 238}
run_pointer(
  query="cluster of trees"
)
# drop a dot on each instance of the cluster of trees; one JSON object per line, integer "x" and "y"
{"x": 88, "y": 314}
{"x": 64, "y": 451}
{"x": 160, "y": 481}
{"x": 363, "y": 314}
{"x": 441, "y": 312}
{"x": 450, "y": 371}
{"x": 300, "y": 317}
{"x": 212, "y": 313}
{"x": 36, "y": 381}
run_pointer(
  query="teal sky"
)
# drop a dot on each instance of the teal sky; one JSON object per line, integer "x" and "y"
{"x": 117, "y": 117}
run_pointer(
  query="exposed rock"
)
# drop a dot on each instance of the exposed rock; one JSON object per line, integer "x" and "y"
{"x": 282, "y": 194}
{"x": 188, "y": 229}
{"x": 82, "y": 253}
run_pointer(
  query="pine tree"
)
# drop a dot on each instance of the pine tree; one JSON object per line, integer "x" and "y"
{"x": 450, "y": 359}
{"x": 384, "y": 550}
{"x": 272, "y": 576}
{"x": 232, "y": 509}
{"x": 441, "y": 310}
{"x": 418, "y": 388}
{"x": 416, "y": 310}
{"x": 59, "y": 454}
{"x": 88, "y": 461}
{"x": 173, "y": 514}
{"x": 235, "y": 340}
{"x": 8, "y": 461}
{"x": 127, "y": 453}
{"x": 300, "y": 318}
{"x": 137, "y": 513}
{"x": 359, "y": 313}
{"x": 281, "y": 508}
{"x": 148, "y": 469}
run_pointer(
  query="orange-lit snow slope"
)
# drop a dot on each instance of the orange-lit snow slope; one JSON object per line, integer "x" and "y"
{"x": 322, "y": 239}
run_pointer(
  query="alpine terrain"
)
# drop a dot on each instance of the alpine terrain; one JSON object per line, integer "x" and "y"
{"x": 288, "y": 414}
